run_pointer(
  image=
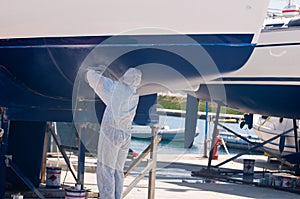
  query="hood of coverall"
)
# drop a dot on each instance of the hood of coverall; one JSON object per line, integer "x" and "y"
{"x": 132, "y": 77}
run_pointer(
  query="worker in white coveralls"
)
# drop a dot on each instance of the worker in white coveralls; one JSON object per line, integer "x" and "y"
{"x": 121, "y": 101}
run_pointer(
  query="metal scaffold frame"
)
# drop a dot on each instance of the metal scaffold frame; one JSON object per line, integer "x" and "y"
{"x": 150, "y": 167}
{"x": 3, "y": 149}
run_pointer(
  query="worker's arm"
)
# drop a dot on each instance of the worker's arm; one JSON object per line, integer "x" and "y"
{"x": 101, "y": 85}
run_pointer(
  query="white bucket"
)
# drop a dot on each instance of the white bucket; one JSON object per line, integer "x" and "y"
{"x": 248, "y": 167}
{"x": 74, "y": 194}
{"x": 53, "y": 177}
{"x": 17, "y": 196}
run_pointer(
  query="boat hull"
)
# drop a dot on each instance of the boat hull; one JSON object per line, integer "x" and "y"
{"x": 105, "y": 17}
{"x": 43, "y": 55}
{"x": 268, "y": 84}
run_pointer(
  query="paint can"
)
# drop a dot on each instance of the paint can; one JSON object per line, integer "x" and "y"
{"x": 78, "y": 186}
{"x": 277, "y": 181}
{"x": 74, "y": 194}
{"x": 17, "y": 196}
{"x": 53, "y": 177}
{"x": 249, "y": 167}
{"x": 287, "y": 182}
{"x": 269, "y": 178}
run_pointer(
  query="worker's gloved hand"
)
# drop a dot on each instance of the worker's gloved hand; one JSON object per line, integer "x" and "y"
{"x": 99, "y": 69}
{"x": 1, "y": 132}
{"x": 93, "y": 70}
{"x": 86, "y": 76}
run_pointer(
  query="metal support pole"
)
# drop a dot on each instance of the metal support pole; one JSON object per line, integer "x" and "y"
{"x": 296, "y": 135}
{"x": 206, "y": 130}
{"x": 282, "y": 160}
{"x": 3, "y": 149}
{"x": 153, "y": 157}
{"x": 44, "y": 162}
{"x": 63, "y": 152}
{"x": 81, "y": 156}
{"x": 214, "y": 136}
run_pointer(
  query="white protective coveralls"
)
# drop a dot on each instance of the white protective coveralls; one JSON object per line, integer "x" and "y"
{"x": 121, "y": 101}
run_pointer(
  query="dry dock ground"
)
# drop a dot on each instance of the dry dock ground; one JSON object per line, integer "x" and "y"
{"x": 174, "y": 179}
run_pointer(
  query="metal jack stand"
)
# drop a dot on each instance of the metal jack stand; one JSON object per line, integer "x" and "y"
{"x": 20, "y": 174}
{"x": 214, "y": 136}
{"x": 62, "y": 150}
{"x": 151, "y": 166}
{"x": 81, "y": 155}
{"x": 255, "y": 146}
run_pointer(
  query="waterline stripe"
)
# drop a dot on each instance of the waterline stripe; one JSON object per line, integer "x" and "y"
{"x": 129, "y": 45}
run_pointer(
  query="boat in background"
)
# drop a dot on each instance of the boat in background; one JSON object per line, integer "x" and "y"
{"x": 167, "y": 134}
{"x": 269, "y": 83}
{"x": 267, "y": 127}
{"x": 235, "y": 142}
{"x": 291, "y": 10}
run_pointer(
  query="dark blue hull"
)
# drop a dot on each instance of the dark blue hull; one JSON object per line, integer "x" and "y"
{"x": 274, "y": 100}
{"x": 38, "y": 74}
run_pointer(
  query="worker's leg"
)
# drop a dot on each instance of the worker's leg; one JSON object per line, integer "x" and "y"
{"x": 105, "y": 181}
{"x": 119, "y": 173}
{"x": 107, "y": 158}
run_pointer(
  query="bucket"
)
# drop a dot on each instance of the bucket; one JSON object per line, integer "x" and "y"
{"x": 248, "y": 167}
{"x": 17, "y": 196}
{"x": 277, "y": 181}
{"x": 74, "y": 194}
{"x": 269, "y": 178}
{"x": 53, "y": 177}
{"x": 286, "y": 182}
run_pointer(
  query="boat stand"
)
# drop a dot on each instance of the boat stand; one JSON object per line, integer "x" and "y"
{"x": 256, "y": 146}
{"x": 296, "y": 135}
{"x": 251, "y": 149}
{"x": 3, "y": 149}
{"x": 81, "y": 153}
{"x": 62, "y": 150}
{"x": 19, "y": 173}
{"x": 214, "y": 136}
{"x": 151, "y": 165}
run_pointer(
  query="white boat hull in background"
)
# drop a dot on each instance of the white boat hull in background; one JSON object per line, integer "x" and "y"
{"x": 266, "y": 128}
{"x": 173, "y": 135}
